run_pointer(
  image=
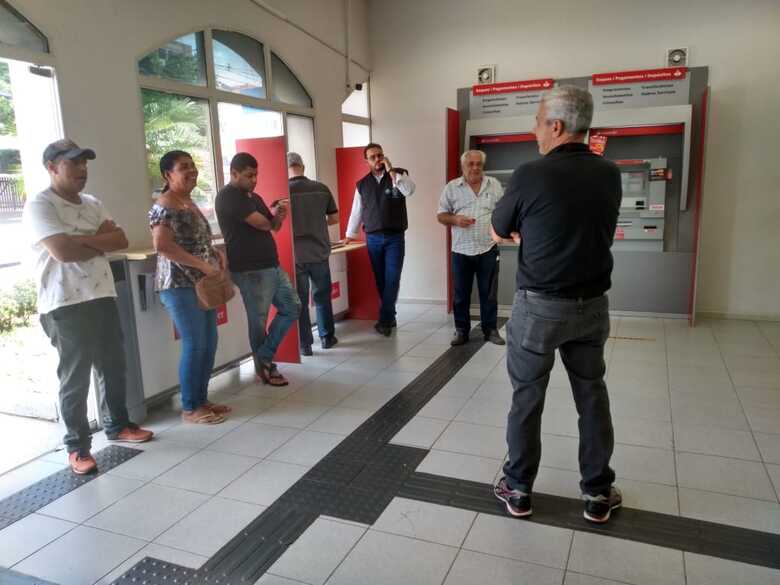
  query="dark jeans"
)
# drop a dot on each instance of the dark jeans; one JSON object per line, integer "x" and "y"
{"x": 198, "y": 331}
{"x": 259, "y": 290}
{"x": 579, "y": 330}
{"x": 386, "y": 252}
{"x": 485, "y": 267}
{"x": 319, "y": 273}
{"x": 88, "y": 335}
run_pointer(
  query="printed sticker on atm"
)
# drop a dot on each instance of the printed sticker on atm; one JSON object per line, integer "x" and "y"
{"x": 660, "y": 174}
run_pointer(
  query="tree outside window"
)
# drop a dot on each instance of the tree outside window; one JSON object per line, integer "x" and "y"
{"x": 176, "y": 122}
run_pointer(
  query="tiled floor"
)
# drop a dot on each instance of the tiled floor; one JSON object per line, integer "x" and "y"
{"x": 697, "y": 426}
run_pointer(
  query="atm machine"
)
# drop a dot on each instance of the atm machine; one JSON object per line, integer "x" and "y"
{"x": 642, "y": 208}
{"x": 657, "y": 232}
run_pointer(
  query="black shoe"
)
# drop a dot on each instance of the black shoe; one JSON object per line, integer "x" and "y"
{"x": 518, "y": 503}
{"x": 598, "y": 508}
{"x": 329, "y": 341}
{"x": 393, "y": 324}
{"x": 493, "y": 337}
{"x": 383, "y": 329}
{"x": 306, "y": 350}
{"x": 459, "y": 338}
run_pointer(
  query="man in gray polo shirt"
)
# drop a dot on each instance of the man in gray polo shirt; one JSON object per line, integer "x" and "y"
{"x": 313, "y": 210}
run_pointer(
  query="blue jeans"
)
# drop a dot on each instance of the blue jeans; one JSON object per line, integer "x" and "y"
{"x": 259, "y": 289}
{"x": 319, "y": 273}
{"x": 485, "y": 267}
{"x": 198, "y": 331}
{"x": 386, "y": 252}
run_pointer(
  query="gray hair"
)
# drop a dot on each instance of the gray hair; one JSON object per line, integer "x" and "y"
{"x": 464, "y": 157}
{"x": 571, "y": 105}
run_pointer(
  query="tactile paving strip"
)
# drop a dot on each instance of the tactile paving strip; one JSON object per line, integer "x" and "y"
{"x": 43, "y": 492}
{"x": 355, "y": 481}
{"x": 677, "y": 532}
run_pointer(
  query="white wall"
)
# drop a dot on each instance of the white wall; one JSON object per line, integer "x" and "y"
{"x": 434, "y": 47}
{"x": 96, "y": 45}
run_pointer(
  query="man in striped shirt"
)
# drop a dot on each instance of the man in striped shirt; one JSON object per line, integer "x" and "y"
{"x": 467, "y": 204}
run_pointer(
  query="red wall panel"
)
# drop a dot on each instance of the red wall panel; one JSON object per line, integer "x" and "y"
{"x": 363, "y": 297}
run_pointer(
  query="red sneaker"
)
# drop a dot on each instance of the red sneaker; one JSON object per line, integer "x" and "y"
{"x": 82, "y": 462}
{"x": 132, "y": 434}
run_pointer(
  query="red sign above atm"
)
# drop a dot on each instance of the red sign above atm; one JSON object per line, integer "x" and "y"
{"x": 640, "y": 76}
{"x": 505, "y": 138}
{"x": 513, "y": 86}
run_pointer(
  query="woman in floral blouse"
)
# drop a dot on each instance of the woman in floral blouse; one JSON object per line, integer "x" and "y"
{"x": 182, "y": 239}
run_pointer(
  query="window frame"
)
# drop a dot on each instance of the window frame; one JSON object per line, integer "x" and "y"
{"x": 352, "y": 119}
{"x": 214, "y": 96}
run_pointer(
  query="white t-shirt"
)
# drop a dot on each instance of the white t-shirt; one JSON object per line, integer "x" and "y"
{"x": 66, "y": 283}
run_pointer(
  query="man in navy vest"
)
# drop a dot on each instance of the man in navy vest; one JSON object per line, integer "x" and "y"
{"x": 380, "y": 205}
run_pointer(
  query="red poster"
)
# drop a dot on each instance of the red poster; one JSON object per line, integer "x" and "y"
{"x": 222, "y": 315}
{"x": 640, "y": 76}
{"x": 335, "y": 290}
{"x": 513, "y": 86}
{"x": 597, "y": 144}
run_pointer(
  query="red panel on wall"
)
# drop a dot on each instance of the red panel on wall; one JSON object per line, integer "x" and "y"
{"x": 698, "y": 170}
{"x": 506, "y": 138}
{"x": 363, "y": 297}
{"x": 452, "y": 141}
{"x": 640, "y": 130}
{"x": 272, "y": 185}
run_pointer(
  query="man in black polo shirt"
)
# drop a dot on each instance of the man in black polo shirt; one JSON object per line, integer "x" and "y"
{"x": 565, "y": 207}
{"x": 246, "y": 224}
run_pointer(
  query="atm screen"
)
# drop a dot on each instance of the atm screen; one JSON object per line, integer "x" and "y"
{"x": 634, "y": 182}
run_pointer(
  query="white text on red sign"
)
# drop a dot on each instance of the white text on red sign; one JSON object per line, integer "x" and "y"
{"x": 513, "y": 86}
{"x": 665, "y": 74}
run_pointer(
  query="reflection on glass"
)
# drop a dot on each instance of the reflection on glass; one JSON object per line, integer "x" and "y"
{"x": 357, "y": 103}
{"x": 287, "y": 88}
{"x": 634, "y": 182}
{"x": 179, "y": 60}
{"x": 300, "y": 139}
{"x": 16, "y": 31}
{"x": 176, "y": 122}
{"x": 237, "y": 121}
{"x": 355, "y": 134}
{"x": 239, "y": 65}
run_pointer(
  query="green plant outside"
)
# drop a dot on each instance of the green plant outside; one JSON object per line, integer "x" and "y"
{"x": 18, "y": 305}
{"x": 175, "y": 122}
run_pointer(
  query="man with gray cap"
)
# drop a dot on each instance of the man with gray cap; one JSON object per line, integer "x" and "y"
{"x": 71, "y": 232}
{"x": 313, "y": 210}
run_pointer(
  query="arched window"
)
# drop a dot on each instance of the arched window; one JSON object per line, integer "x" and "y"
{"x": 16, "y": 31}
{"x": 204, "y": 90}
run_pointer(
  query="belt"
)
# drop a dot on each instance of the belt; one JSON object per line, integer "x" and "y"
{"x": 534, "y": 294}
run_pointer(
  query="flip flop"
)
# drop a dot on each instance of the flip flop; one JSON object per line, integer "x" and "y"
{"x": 269, "y": 375}
{"x": 218, "y": 408}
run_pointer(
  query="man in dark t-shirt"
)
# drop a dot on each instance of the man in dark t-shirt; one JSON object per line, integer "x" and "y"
{"x": 246, "y": 224}
{"x": 313, "y": 210}
{"x": 563, "y": 210}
